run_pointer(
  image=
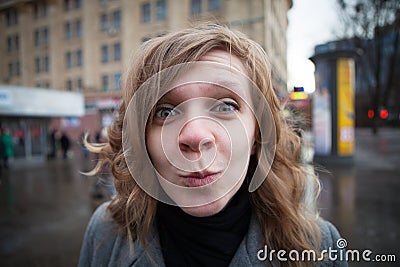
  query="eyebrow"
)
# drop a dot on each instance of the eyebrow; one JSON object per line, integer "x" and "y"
{"x": 207, "y": 87}
{"x": 226, "y": 83}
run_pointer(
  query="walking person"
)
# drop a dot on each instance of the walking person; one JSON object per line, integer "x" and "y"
{"x": 7, "y": 147}
{"x": 65, "y": 144}
{"x": 206, "y": 169}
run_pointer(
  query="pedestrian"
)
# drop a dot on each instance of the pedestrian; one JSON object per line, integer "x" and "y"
{"x": 52, "y": 144}
{"x": 205, "y": 168}
{"x": 7, "y": 147}
{"x": 65, "y": 144}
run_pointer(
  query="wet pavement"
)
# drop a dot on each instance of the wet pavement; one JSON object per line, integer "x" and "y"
{"x": 44, "y": 207}
{"x": 363, "y": 199}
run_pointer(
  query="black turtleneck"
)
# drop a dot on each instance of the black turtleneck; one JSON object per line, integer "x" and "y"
{"x": 203, "y": 241}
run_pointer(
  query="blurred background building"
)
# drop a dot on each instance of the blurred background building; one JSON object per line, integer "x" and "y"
{"x": 85, "y": 45}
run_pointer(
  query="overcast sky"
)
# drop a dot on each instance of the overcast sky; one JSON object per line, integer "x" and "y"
{"x": 311, "y": 22}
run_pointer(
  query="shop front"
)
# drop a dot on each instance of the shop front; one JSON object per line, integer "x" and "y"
{"x": 25, "y": 113}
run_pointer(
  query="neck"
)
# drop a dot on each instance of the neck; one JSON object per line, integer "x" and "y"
{"x": 211, "y": 241}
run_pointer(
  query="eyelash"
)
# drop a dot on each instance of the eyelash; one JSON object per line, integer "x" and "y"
{"x": 162, "y": 108}
{"x": 226, "y": 103}
{"x": 221, "y": 103}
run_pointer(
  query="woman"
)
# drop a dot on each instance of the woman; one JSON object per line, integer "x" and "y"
{"x": 206, "y": 170}
{"x": 6, "y": 146}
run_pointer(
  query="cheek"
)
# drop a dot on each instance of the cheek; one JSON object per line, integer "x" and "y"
{"x": 154, "y": 147}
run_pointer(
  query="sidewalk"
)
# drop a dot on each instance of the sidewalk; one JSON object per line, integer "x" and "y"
{"x": 362, "y": 199}
{"x": 44, "y": 209}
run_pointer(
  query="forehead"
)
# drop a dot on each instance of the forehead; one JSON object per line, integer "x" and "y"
{"x": 225, "y": 58}
{"x": 216, "y": 73}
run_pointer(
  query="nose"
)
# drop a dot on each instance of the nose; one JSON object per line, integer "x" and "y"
{"x": 196, "y": 136}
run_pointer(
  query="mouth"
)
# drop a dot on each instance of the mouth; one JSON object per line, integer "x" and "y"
{"x": 197, "y": 179}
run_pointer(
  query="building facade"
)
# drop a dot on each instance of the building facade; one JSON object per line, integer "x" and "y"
{"x": 85, "y": 45}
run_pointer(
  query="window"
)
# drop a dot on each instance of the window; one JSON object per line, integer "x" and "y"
{"x": 117, "y": 51}
{"x": 161, "y": 10}
{"x": 45, "y": 36}
{"x": 9, "y": 43}
{"x": 17, "y": 68}
{"x": 214, "y": 5}
{"x": 11, "y": 17}
{"x": 14, "y": 69}
{"x": 103, "y": 22}
{"x": 44, "y": 9}
{"x": 146, "y": 16}
{"x": 67, "y": 5}
{"x": 10, "y": 69}
{"x": 72, "y": 4}
{"x": 36, "y": 10}
{"x": 79, "y": 84}
{"x": 68, "y": 85}
{"x": 104, "y": 83}
{"x": 117, "y": 19}
{"x": 16, "y": 42}
{"x": 78, "y": 4}
{"x": 196, "y": 7}
{"x": 117, "y": 81}
{"x": 37, "y": 64}
{"x": 104, "y": 53}
{"x": 40, "y": 9}
{"x": 37, "y": 38}
{"x": 79, "y": 57}
{"x": 78, "y": 24}
{"x": 68, "y": 60}
{"x": 46, "y": 63}
{"x": 68, "y": 32}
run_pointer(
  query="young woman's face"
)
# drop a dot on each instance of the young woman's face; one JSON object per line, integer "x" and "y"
{"x": 203, "y": 132}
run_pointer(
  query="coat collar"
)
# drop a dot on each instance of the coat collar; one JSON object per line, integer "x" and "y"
{"x": 246, "y": 254}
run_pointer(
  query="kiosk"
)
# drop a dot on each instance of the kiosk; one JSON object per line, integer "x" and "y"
{"x": 333, "y": 113}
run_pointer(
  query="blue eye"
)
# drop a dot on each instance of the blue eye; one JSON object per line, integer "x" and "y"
{"x": 165, "y": 112}
{"x": 225, "y": 106}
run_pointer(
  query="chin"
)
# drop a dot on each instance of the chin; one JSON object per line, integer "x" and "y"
{"x": 206, "y": 210}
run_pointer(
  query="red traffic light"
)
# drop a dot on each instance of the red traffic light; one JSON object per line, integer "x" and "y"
{"x": 384, "y": 114}
{"x": 371, "y": 114}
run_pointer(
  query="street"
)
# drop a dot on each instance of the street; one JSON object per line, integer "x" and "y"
{"x": 45, "y": 206}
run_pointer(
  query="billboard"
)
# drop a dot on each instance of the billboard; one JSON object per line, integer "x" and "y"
{"x": 322, "y": 111}
{"x": 345, "y": 106}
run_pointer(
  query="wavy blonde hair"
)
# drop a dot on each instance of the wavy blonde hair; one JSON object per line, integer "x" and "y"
{"x": 281, "y": 204}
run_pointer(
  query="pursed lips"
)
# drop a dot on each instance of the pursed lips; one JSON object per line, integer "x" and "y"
{"x": 196, "y": 179}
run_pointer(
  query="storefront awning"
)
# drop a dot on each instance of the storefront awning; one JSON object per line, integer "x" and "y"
{"x": 34, "y": 102}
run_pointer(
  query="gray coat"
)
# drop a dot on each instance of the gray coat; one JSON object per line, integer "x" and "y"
{"x": 105, "y": 245}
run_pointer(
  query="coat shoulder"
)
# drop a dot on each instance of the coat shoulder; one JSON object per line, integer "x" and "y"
{"x": 332, "y": 244}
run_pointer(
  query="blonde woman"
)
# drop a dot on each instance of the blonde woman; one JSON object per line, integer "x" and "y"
{"x": 206, "y": 170}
